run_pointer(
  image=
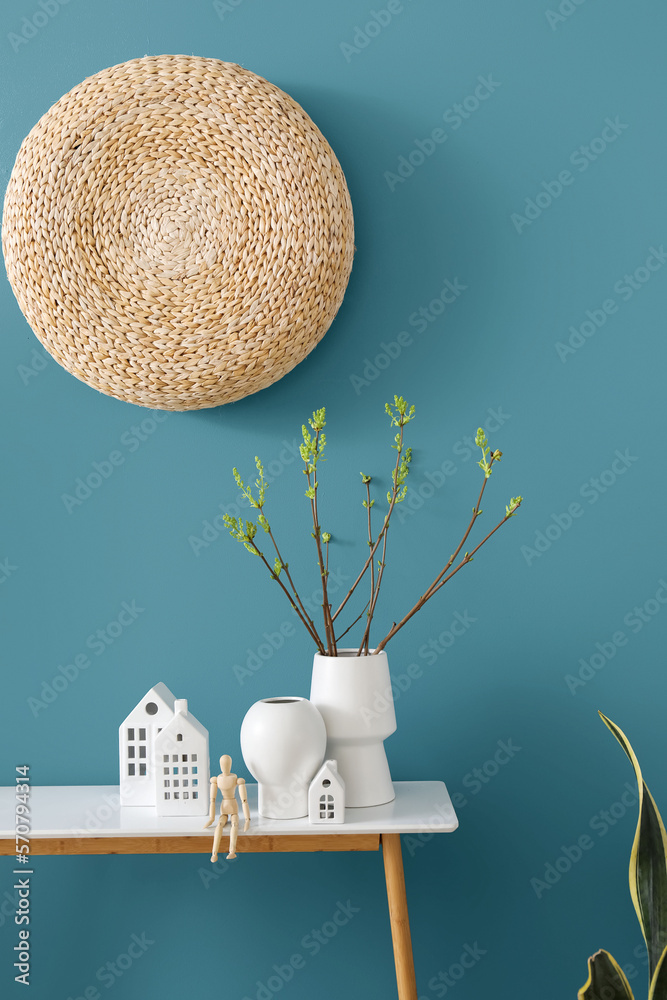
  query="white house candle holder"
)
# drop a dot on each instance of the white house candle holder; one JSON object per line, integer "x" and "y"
{"x": 182, "y": 765}
{"x": 142, "y": 748}
{"x": 137, "y": 735}
{"x": 326, "y": 795}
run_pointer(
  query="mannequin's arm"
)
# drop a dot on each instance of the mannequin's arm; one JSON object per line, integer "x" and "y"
{"x": 214, "y": 792}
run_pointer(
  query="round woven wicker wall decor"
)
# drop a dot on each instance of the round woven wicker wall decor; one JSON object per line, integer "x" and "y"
{"x": 177, "y": 232}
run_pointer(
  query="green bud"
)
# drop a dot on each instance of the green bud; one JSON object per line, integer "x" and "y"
{"x": 317, "y": 421}
{"x": 514, "y": 505}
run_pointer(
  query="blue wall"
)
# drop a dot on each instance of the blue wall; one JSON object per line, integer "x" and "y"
{"x": 527, "y": 348}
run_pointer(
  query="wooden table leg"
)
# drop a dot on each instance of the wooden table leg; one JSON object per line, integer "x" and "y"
{"x": 398, "y": 915}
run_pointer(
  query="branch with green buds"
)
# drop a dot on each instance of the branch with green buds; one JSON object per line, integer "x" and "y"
{"x": 247, "y": 535}
{"x": 486, "y": 465}
{"x": 401, "y": 414}
{"x": 488, "y": 456}
{"x": 311, "y": 451}
{"x": 368, "y": 504}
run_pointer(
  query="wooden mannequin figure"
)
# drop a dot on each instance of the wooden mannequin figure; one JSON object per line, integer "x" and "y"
{"x": 228, "y": 783}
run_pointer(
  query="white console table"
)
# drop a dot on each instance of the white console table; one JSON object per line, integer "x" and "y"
{"x": 88, "y": 819}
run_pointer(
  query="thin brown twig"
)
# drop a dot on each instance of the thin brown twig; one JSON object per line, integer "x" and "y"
{"x": 292, "y": 584}
{"x": 370, "y": 545}
{"x": 392, "y": 504}
{"x": 326, "y": 607}
{"x": 366, "y": 636}
{"x": 312, "y": 631}
{"x": 470, "y": 555}
{"x": 434, "y": 589}
{"x": 475, "y": 514}
{"x": 353, "y": 623}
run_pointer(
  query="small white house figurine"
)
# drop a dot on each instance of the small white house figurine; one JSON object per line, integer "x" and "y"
{"x": 140, "y": 773}
{"x": 326, "y": 795}
{"x": 136, "y": 739}
{"x": 181, "y": 765}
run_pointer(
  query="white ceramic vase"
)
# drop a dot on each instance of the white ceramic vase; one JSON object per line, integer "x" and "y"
{"x": 353, "y": 695}
{"x": 283, "y": 741}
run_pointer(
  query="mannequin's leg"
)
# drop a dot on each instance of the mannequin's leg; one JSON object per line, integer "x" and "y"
{"x": 218, "y": 835}
{"x": 232, "y": 836}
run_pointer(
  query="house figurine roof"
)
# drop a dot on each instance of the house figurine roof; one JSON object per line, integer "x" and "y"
{"x": 326, "y": 795}
{"x": 182, "y": 765}
{"x": 158, "y": 696}
{"x": 182, "y": 719}
{"x": 328, "y": 771}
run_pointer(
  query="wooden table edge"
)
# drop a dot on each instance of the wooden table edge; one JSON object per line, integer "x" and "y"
{"x": 259, "y": 844}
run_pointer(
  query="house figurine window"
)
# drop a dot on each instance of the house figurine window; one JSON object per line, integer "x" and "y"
{"x": 327, "y": 807}
{"x": 326, "y": 795}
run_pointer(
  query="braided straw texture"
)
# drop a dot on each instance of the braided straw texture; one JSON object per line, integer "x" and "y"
{"x": 177, "y": 232}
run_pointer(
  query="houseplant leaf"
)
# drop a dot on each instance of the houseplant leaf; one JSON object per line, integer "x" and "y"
{"x": 605, "y": 979}
{"x": 648, "y": 872}
{"x": 658, "y": 990}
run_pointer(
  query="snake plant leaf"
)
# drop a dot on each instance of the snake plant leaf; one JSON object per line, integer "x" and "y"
{"x": 648, "y": 869}
{"x": 605, "y": 979}
{"x": 658, "y": 990}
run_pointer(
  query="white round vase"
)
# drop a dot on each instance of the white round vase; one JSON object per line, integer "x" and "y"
{"x": 283, "y": 741}
{"x": 353, "y": 695}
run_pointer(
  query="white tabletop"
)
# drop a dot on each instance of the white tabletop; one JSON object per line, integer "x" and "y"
{"x": 95, "y": 811}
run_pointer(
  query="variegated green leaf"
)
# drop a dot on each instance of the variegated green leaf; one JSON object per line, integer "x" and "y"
{"x": 658, "y": 990}
{"x": 648, "y": 866}
{"x": 605, "y": 979}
